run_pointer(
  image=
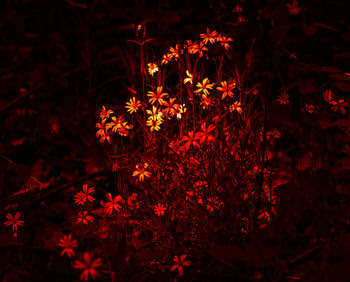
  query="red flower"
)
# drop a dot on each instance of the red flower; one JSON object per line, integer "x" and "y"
{"x": 113, "y": 204}
{"x": 159, "y": 209}
{"x": 179, "y": 264}
{"x": 14, "y": 221}
{"x": 293, "y": 8}
{"x": 84, "y": 217}
{"x": 205, "y": 134}
{"x": 191, "y": 140}
{"x": 88, "y": 266}
{"x": 68, "y": 244}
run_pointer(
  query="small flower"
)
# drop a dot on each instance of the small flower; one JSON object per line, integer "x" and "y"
{"x": 180, "y": 263}
{"x": 88, "y": 266}
{"x": 152, "y": 68}
{"x": 224, "y": 41}
{"x": 190, "y": 140}
{"x": 157, "y": 96}
{"x": 105, "y": 113}
{"x": 205, "y": 134}
{"x": 170, "y": 107}
{"x": 133, "y": 105}
{"x": 141, "y": 172}
{"x": 226, "y": 89}
{"x": 84, "y": 217}
{"x": 206, "y": 102}
{"x": 174, "y": 52}
{"x": 80, "y": 198}
{"x": 87, "y": 191}
{"x": 293, "y": 8}
{"x": 283, "y": 99}
{"x": 159, "y": 209}
{"x": 188, "y": 78}
{"x": 310, "y": 108}
{"x": 112, "y": 204}
{"x": 210, "y": 36}
{"x": 68, "y": 244}
{"x": 328, "y": 95}
{"x": 339, "y": 106}
{"x": 14, "y": 221}
{"x": 204, "y": 86}
{"x": 166, "y": 58}
{"x": 236, "y": 107}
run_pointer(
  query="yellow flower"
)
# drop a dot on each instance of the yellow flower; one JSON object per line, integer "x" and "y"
{"x": 152, "y": 68}
{"x": 141, "y": 172}
{"x": 211, "y": 36}
{"x": 166, "y": 58}
{"x": 188, "y": 78}
{"x": 154, "y": 123}
{"x": 133, "y": 105}
{"x": 226, "y": 89}
{"x": 236, "y": 107}
{"x": 204, "y": 86}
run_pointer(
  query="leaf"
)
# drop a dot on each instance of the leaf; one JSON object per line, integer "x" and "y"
{"x": 331, "y": 69}
{"x": 322, "y": 25}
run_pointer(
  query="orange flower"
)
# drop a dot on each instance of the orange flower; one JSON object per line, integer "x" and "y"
{"x": 206, "y": 102}
{"x": 88, "y": 266}
{"x": 84, "y": 217}
{"x": 226, "y": 89}
{"x": 14, "y": 221}
{"x": 205, "y": 134}
{"x": 152, "y": 68}
{"x": 204, "y": 86}
{"x": 113, "y": 204}
{"x": 209, "y": 36}
{"x": 192, "y": 48}
{"x": 293, "y": 8}
{"x": 68, "y": 244}
{"x": 201, "y": 49}
{"x": 236, "y": 107}
{"x": 283, "y": 98}
{"x": 101, "y": 128}
{"x": 188, "y": 78}
{"x": 166, "y": 58}
{"x": 224, "y": 41}
{"x": 105, "y": 113}
{"x": 174, "y": 52}
{"x": 180, "y": 263}
{"x": 190, "y": 140}
{"x": 158, "y": 96}
{"x": 170, "y": 107}
{"x": 154, "y": 123}
{"x": 154, "y": 113}
{"x": 159, "y": 209}
{"x": 141, "y": 172}
{"x": 133, "y": 105}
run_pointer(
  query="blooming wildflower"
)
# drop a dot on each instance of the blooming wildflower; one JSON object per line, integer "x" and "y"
{"x": 175, "y": 146}
{"x": 157, "y": 96}
{"x": 101, "y": 128}
{"x": 174, "y": 52}
{"x": 339, "y": 106}
{"x": 206, "y": 102}
{"x": 226, "y": 89}
{"x": 192, "y": 48}
{"x": 180, "y": 263}
{"x": 283, "y": 98}
{"x": 166, "y": 58}
{"x": 133, "y": 105}
{"x": 224, "y": 41}
{"x": 88, "y": 266}
{"x": 201, "y": 49}
{"x": 190, "y": 140}
{"x": 115, "y": 124}
{"x": 152, "y": 68}
{"x": 80, "y": 198}
{"x": 113, "y": 204}
{"x": 236, "y": 107}
{"x": 159, "y": 209}
{"x": 154, "y": 113}
{"x": 105, "y": 136}
{"x": 84, "y": 217}
{"x": 209, "y": 36}
{"x": 154, "y": 123}
{"x": 310, "y": 108}
{"x": 204, "y": 86}
{"x": 68, "y": 244}
{"x": 170, "y": 107}
{"x": 180, "y": 111}
{"x": 105, "y": 113}
{"x": 293, "y": 8}
{"x": 328, "y": 95}
{"x": 14, "y": 221}
{"x": 141, "y": 172}
{"x": 205, "y": 134}
{"x": 87, "y": 191}
{"x": 188, "y": 78}
{"x": 238, "y": 9}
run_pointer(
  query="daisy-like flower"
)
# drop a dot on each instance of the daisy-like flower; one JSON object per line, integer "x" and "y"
{"x": 112, "y": 204}
{"x": 180, "y": 111}
{"x": 180, "y": 263}
{"x": 154, "y": 123}
{"x": 293, "y": 8}
{"x": 157, "y": 96}
{"x": 328, "y": 95}
{"x": 204, "y": 135}
{"x": 80, "y": 198}
{"x": 236, "y": 107}
{"x": 170, "y": 107}
{"x": 226, "y": 89}
{"x": 68, "y": 245}
{"x": 224, "y": 41}
{"x": 192, "y": 48}
{"x": 105, "y": 113}
{"x": 339, "y": 106}
{"x": 201, "y": 49}
{"x": 87, "y": 191}
{"x": 141, "y": 172}
{"x": 88, "y": 266}
{"x": 159, "y": 209}
{"x": 14, "y": 221}
{"x": 210, "y": 36}
{"x": 310, "y": 108}
{"x": 204, "y": 86}
{"x": 283, "y": 98}
{"x": 190, "y": 140}
{"x": 101, "y": 128}
{"x": 133, "y": 105}
{"x": 189, "y": 78}
{"x": 206, "y": 102}
{"x": 152, "y": 68}
{"x": 166, "y": 58}
{"x": 84, "y": 217}
{"x": 154, "y": 113}
{"x": 174, "y": 52}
